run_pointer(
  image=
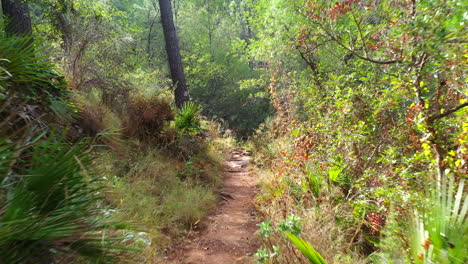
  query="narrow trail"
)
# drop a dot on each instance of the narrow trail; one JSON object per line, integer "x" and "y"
{"x": 230, "y": 233}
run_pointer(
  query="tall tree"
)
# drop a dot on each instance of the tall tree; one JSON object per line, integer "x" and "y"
{"x": 18, "y": 19}
{"x": 173, "y": 53}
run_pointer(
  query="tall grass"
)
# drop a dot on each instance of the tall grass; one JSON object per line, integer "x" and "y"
{"x": 164, "y": 196}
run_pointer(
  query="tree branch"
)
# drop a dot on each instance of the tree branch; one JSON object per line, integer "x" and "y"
{"x": 361, "y": 35}
{"x": 432, "y": 118}
{"x": 417, "y": 83}
{"x": 313, "y": 66}
{"x": 366, "y": 58}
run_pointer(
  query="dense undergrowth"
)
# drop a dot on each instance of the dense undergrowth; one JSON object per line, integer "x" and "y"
{"x": 362, "y": 151}
{"x": 91, "y": 179}
{"x": 163, "y": 194}
{"x": 366, "y": 158}
{"x": 97, "y": 165}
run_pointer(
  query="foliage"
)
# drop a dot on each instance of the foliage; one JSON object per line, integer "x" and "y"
{"x": 215, "y": 36}
{"x": 26, "y": 74}
{"x": 111, "y": 55}
{"x": 306, "y": 249}
{"x": 50, "y": 205}
{"x": 370, "y": 101}
{"x": 50, "y": 208}
{"x": 439, "y": 232}
{"x": 363, "y": 105}
{"x": 187, "y": 119}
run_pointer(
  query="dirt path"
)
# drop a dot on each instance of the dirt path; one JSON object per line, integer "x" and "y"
{"x": 230, "y": 233}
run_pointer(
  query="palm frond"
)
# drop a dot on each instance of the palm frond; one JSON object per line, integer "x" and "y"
{"x": 439, "y": 232}
{"x": 24, "y": 71}
{"x": 187, "y": 118}
{"x": 307, "y": 250}
{"x": 51, "y": 209}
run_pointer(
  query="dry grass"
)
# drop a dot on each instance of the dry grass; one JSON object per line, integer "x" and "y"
{"x": 163, "y": 196}
{"x": 146, "y": 117}
{"x": 162, "y": 183}
{"x": 323, "y": 220}
{"x": 91, "y": 120}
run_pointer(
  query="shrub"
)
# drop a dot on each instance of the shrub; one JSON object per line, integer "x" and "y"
{"x": 146, "y": 117}
{"x": 91, "y": 120}
{"x": 27, "y": 75}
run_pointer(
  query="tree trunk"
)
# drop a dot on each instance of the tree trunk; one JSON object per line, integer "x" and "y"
{"x": 173, "y": 53}
{"x": 18, "y": 20}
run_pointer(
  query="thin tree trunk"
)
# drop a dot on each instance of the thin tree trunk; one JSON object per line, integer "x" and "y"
{"x": 173, "y": 53}
{"x": 148, "y": 44}
{"x": 18, "y": 21}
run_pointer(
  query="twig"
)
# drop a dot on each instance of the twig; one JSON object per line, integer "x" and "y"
{"x": 361, "y": 35}
{"x": 432, "y": 118}
{"x": 366, "y": 58}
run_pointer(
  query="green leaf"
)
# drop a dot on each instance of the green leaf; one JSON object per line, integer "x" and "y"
{"x": 306, "y": 249}
{"x": 295, "y": 132}
{"x": 334, "y": 173}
